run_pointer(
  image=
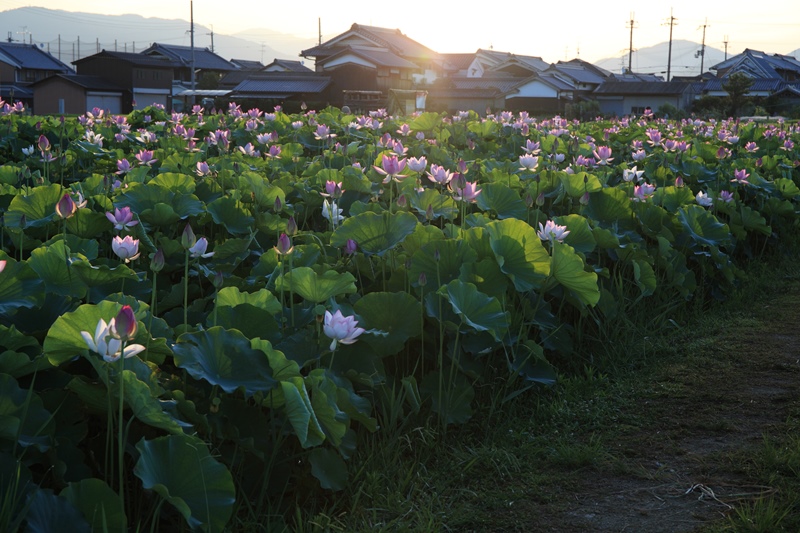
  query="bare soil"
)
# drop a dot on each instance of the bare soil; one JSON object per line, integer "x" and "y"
{"x": 679, "y": 457}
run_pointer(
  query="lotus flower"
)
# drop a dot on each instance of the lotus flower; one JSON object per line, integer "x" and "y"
{"x": 122, "y": 218}
{"x": 105, "y": 344}
{"x": 552, "y": 232}
{"x": 66, "y": 207}
{"x": 199, "y": 249}
{"x": 703, "y": 199}
{"x": 341, "y": 329}
{"x": 126, "y": 249}
{"x": 528, "y": 162}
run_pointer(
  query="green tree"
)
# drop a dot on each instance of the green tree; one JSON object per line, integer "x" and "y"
{"x": 737, "y": 86}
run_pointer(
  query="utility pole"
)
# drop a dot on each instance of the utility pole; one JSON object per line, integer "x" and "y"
{"x": 79, "y": 47}
{"x": 319, "y": 30}
{"x": 191, "y": 32}
{"x": 702, "y": 51}
{"x": 59, "y": 47}
{"x": 631, "y": 24}
{"x": 669, "y": 56}
{"x": 9, "y": 38}
{"x": 115, "y": 45}
{"x": 97, "y": 42}
{"x": 212, "y": 38}
{"x": 726, "y": 47}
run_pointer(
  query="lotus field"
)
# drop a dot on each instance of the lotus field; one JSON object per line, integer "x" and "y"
{"x": 202, "y": 314}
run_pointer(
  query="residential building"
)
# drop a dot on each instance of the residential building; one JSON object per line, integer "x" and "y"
{"x": 76, "y": 94}
{"x": 632, "y": 98}
{"x": 22, "y": 65}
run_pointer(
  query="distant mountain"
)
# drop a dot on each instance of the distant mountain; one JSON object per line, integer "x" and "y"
{"x": 653, "y": 59}
{"x": 81, "y": 34}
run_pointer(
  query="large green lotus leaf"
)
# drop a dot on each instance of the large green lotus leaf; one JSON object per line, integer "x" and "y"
{"x": 655, "y": 220}
{"x": 86, "y": 224}
{"x": 159, "y": 205}
{"x": 476, "y": 309}
{"x": 484, "y": 129}
{"x": 64, "y": 341}
{"x": 452, "y": 255}
{"x": 500, "y": 199}
{"x": 787, "y": 188}
{"x": 301, "y": 414}
{"x": 425, "y": 122}
{"x": 160, "y": 215}
{"x": 262, "y": 299}
{"x": 180, "y": 469}
{"x": 329, "y": 468}
{"x": 315, "y": 288}
{"x": 145, "y": 407}
{"x": 486, "y": 276}
{"x": 94, "y": 276}
{"x": 48, "y": 513}
{"x": 175, "y": 182}
{"x": 98, "y": 503}
{"x": 750, "y": 219}
{"x": 775, "y": 207}
{"x": 580, "y": 234}
{"x": 610, "y": 205}
{"x": 671, "y": 197}
{"x": 702, "y": 227}
{"x": 51, "y": 264}
{"x": 375, "y": 233}
{"x": 441, "y": 205}
{"x": 644, "y": 276}
{"x": 232, "y": 250}
{"x": 87, "y": 247}
{"x": 38, "y": 207}
{"x": 519, "y": 252}
{"x": 397, "y": 315}
{"x": 530, "y": 364}
{"x": 252, "y": 321}
{"x": 568, "y": 270}
{"x": 232, "y": 215}
{"x": 264, "y": 192}
{"x": 20, "y": 287}
{"x": 224, "y": 357}
{"x": 332, "y": 419}
{"x": 424, "y": 234}
{"x": 282, "y": 368}
{"x": 577, "y": 184}
{"x": 23, "y": 418}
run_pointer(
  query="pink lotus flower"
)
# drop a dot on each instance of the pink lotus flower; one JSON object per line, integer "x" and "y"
{"x": 274, "y": 151}
{"x": 3, "y": 265}
{"x": 642, "y": 192}
{"x": 468, "y": 194}
{"x": 417, "y": 164}
{"x": 341, "y": 329}
{"x": 332, "y": 190}
{"x": 202, "y": 169}
{"x": 603, "y": 155}
{"x": 531, "y": 147}
{"x": 123, "y": 166}
{"x": 323, "y": 133}
{"x": 726, "y": 196}
{"x": 552, "y": 232}
{"x": 751, "y": 147}
{"x": 122, "y": 218}
{"x": 145, "y": 157}
{"x": 740, "y": 176}
{"x": 528, "y": 162}
{"x": 439, "y": 175}
{"x": 391, "y": 167}
{"x": 126, "y": 249}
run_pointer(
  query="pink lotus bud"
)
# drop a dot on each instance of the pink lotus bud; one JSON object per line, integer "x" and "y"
{"x": 350, "y": 247}
{"x": 679, "y": 182}
{"x": 125, "y": 324}
{"x": 188, "y": 238}
{"x": 278, "y": 205}
{"x": 157, "y": 261}
{"x": 66, "y": 207}
{"x": 284, "y": 246}
{"x": 423, "y": 279}
{"x": 291, "y": 227}
{"x": 44, "y": 143}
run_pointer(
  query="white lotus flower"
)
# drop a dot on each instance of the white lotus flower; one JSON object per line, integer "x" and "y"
{"x": 104, "y": 343}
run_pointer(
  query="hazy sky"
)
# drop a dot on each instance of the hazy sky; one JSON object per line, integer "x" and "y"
{"x": 553, "y": 30}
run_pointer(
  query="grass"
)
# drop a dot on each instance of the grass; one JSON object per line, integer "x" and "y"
{"x": 645, "y": 394}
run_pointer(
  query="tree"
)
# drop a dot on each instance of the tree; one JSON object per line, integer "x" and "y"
{"x": 737, "y": 86}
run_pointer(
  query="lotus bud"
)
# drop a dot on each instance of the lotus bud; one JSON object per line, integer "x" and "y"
{"x": 423, "y": 279}
{"x": 585, "y": 198}
{"x": 291, "y": 227}
{"x": 350, "y": 247}
{"x": 125, "y": 324}
{"x": 679, "y": 182}
{"x": 529, "y": 200}
{"x": 540, "y": 199}
{"x": 278, "y": 205}
{"x": 44, "y": 143}
{"x": 157, "y": 261}
{"x": 429, "y": 215}
{"x": 188, "y": 239}
{"x": 218, "y": 281}
{"x": 462, "y": 166}
{"x": 401, "y": 201}
{"x": 284, "y": 246}
{"x": 66, "y": 207}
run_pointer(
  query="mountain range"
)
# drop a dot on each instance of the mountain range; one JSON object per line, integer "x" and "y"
{"x": 71, "y": 35}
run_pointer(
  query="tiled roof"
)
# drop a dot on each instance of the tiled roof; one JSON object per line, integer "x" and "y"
{"x": 503, "y": 85}
{"x": 134, "y": 59}
{"x": 279, "y": 85}
{"x": 87, "y": 82}
{"x": 247, "y": 64}
{"x": 384, "y": 59}
{"x": 29, "y": 56}
{"x": 643, "y": 87}
{"x": 578, "y": 74}
{"x": 553, "y": 81}
{"x": 203, "y": 57}
{"x": 394, "y": 40}
{"x": 765, "y": 65}
{"x": 289, "y": 65}
{"x": 458, "y": 61}
{"x": 18, "y": 91}
{"x": 759, "y": 85}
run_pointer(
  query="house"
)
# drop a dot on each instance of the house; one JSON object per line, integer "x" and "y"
{"x": 22, "y": 65}
{"x": 286, "y": 65}
{"x": 76, "y": 94}
{"x": 369, "y": 58}
{"x": 247, "y": 64}
{"x": 759, "y": 65}
{"x": 145, "y": 79}
{"x": 204, "y": 60}
{"x": 631, "y": 98}
{"x": 280, "y": 88}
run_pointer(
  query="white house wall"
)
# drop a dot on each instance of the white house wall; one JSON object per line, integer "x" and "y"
{"x": 349, "y": 60}
{"x": 535, "y": 89}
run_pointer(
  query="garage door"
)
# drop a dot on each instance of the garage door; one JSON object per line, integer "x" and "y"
{"x": 144, "y": 99}
{"x": 112, "y": 103}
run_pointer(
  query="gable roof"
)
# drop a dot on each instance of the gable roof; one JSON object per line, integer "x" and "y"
{"x": 203, "y": 57}
{"x": 576, "y": 73}
{"x": 247, "y": 64}
{"x": 532, "y": 63}
{"x": 287, "y": 66}
{"x": 759, "y": 64}
{"x": 376, "y": 57}
{"x": 392, "y": 40}
{"x": 30, "y": 57}
{"x": 139, "y": 60}
{"x": 280, "y": 85}
{"x": 92, "y": 83}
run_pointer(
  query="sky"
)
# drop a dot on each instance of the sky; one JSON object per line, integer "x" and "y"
{"x": 553, "y": 30}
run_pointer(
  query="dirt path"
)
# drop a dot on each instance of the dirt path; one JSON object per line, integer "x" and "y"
{"x": 681, "y": 454}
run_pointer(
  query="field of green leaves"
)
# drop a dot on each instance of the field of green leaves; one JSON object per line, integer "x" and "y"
{"x": 200, "y": 313}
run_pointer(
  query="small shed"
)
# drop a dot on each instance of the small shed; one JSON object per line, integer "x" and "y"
{"x": 76, "y": 94}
